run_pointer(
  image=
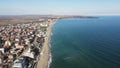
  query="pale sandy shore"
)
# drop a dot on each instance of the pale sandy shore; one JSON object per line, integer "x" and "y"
{"x": 44, "y": 55}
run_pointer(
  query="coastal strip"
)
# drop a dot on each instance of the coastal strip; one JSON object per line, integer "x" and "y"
{"x": 45, "y": 52}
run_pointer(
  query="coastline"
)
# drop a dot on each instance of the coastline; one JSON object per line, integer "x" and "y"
{"x": 45, "y": 52}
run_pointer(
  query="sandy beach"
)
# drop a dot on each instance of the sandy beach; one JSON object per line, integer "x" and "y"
{"x": 44, "y": 54}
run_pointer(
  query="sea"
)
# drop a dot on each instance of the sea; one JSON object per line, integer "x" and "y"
{"x": 86, "y": 43}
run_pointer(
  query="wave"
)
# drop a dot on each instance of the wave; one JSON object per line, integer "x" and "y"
{"x": 50, "y": 55}
{"x": 50, "y": 60}
{"x": 51, "y": 33}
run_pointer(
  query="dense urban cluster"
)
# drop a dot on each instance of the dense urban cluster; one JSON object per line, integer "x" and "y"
{"x": 20, "y": 44}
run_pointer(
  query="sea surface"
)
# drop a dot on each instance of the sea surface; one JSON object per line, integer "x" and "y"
{"x": 86, "y": 43}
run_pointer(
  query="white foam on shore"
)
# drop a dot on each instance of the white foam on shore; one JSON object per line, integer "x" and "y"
{"x": 50, "y": 55}
{"x": 51, "y": 33}
{"x": 50, "y": 60}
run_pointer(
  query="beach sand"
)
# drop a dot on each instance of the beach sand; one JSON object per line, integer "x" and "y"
{"x": 44, "y": 54}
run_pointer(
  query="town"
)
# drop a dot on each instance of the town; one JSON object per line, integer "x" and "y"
{"x": 21, "y": 43}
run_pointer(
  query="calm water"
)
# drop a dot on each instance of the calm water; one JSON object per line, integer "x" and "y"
{"x": 86, "y": 43}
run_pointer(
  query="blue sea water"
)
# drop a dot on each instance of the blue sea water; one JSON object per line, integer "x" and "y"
{"x": 86, "y": 43}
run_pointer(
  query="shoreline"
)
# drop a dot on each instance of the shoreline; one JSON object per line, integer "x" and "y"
{"x": 45, "y": 52}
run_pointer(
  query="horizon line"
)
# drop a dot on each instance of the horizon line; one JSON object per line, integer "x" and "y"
{"x": 57, "y": 15}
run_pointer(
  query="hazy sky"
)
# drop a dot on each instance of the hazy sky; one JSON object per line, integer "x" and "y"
{"x": 60, "y": 7}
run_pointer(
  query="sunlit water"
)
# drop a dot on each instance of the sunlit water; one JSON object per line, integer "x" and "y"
{"x": 86, "y": 43}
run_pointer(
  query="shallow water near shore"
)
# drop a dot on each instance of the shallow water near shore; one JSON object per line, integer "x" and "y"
{"x": 86, "y": 43}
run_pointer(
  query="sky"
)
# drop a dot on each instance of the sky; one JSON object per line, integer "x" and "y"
{"x": 60, "y": 7}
